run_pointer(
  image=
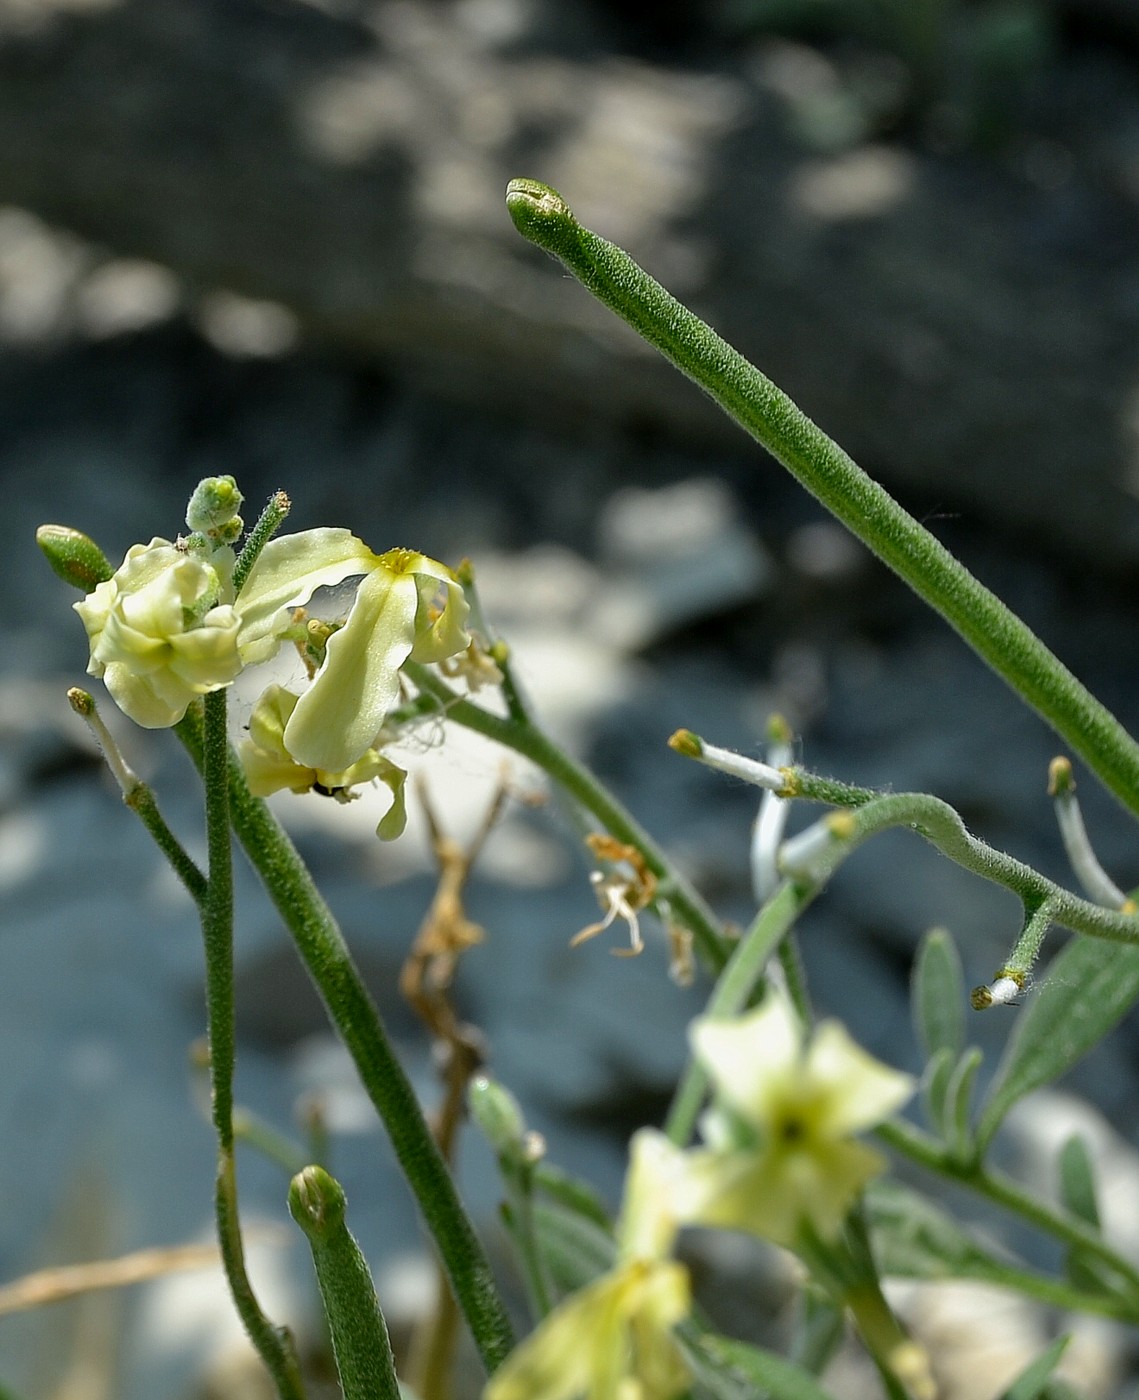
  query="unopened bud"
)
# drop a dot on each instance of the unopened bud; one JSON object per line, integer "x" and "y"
{"x": 497, "y": 1113}
{"x": 75, "y": 557}
{"x": 214, "y": 507}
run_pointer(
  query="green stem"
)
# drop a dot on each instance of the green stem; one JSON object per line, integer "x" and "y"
{"x": 527, "y": 739}
{"x": 142, "y": 802}
{"x": 329, "y": 963}
{"x": 262, "y": 1137}
{"x": 137, "y": 795}
{"x": 217, "y": 918}
{"x": 939, "y": 824}
{"x": 764, "y": 411}
{"x": 273, "y": 1343}
{"x": 268, "y": 523}
{"x": 928, "y": 1152}
{"x": 736, "y": 983}
{"x": 518, "y": 1179}
{"x": 791, "y": 961}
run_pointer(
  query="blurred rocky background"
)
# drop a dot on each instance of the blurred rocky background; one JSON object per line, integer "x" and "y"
{"x": 269, "y": 239}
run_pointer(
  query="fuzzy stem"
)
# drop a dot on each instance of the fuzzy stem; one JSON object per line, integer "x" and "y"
{"x": 268, "y": 523}
{"x": 360, "y": 1341}
{"x": 274, "y": 1344}
{"x": 329, "y": 963}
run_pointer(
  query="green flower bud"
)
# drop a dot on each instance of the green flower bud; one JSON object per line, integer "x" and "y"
{"x": 75, "y": 557}
{"x": 497, "y": 1113}
{"x": 213, "y": 507}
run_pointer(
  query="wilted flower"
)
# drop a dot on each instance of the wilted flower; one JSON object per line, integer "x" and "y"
{"x": 780, "y": 1153}
{"x": 613, "y": 1340}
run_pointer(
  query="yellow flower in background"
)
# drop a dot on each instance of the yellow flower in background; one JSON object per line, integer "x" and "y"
{"x": 613, "y": 1340}
{"x": 163, "y": 630}
{"x": 780, "y": 1151}
{"x": 270, "y": 768}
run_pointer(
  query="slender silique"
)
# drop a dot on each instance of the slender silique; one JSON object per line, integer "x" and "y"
{"x": 763, "y": 410}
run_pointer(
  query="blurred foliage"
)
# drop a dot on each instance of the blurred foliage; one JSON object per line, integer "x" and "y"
{"x": 969, "y": 68}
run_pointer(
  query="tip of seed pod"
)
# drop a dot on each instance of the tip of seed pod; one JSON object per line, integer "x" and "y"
{"x": 1061, "y": 779}
{"x": 81, "y": 701}
{"x": 686, "y": 743}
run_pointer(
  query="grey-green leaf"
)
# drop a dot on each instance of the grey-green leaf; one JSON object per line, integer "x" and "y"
{"x": 1089, "y": 987}
{"x": 914, "y": 1239}
{"x": 819, "y": 1332}
{"x": 1077, "y": 1180}
{"x": 938, "y": 994}
{"x": 958, "y": 1105}
{"x": 575, "y": 1249}
{"x": 1031, "y": 1382}
{"x": 758, "y": 1370}
{"x": 934, "y": 1087}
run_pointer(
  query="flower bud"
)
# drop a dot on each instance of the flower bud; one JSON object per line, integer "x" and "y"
{"x": 75, "y": 557}
{"x": 497, "y": 1113}
{"x": 213, "y": 508}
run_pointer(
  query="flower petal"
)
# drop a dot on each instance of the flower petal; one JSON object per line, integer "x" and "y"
{"x": 745, "y": 1054}
{"x": 341, "y": 713}
{"x": 560, "y": 1358}
{"x": 649, "y": 1222}
{"x": 861, "y": 1091}
{"x": 288, "y": 571}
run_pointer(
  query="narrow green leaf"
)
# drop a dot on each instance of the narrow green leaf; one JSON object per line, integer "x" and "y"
{"x": 934, "y": 1088}
{"x": 773, "y": 1375}
{"x": 1077, "y": 1180}
{"x": 938, "y": 994}
{"x": 819, "y": 1332}
{"x": 914, "y": 1239}
{"x": 959, "y": 1103}
{"x": 1031, "y": 1382}
{"x": 575, "y": 1195}
{"x": 574, "y": 1248}
{"x": 1089, "y": 987}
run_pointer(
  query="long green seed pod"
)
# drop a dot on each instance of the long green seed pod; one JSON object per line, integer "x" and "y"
{"x": 359, "y": 1336}
{"x": 764, "y": 410}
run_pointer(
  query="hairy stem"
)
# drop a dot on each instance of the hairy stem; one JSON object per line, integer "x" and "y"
{"x": 273, "y": 1343}
{"x": 329, "y": 963}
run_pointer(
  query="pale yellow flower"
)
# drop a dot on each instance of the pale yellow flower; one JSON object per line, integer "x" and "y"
{"x": 269, "y": 768}
{"x": 781, "y": 1153}
{"x": 163, "y": 630}
{"x": 407, "y": 607}
{"x": 167, "y": 627}
{"x": 613, "y": 1340}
